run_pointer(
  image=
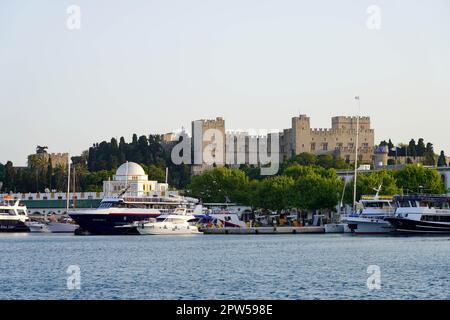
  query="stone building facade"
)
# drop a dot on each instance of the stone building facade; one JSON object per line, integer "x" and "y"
{"x": 203, "y": 138}
{"x": 339, "y": 140}
{"x": 58, "y": 159}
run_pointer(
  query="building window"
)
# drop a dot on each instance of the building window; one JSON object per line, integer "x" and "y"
{"x": 365, "y": 145}
{"x": 325, "y": 146}
{"x": 351, "y": 145}
{"x": 313, "y": 146}
{"x": 347, "y": 158}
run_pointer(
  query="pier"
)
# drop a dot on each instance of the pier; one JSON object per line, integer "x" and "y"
{"x": 265, "y": 230}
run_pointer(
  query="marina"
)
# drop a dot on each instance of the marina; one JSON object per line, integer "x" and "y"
{"x": 135, "y": 205}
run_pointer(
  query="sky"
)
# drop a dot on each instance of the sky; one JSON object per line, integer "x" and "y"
{"x": 141, "y": 66}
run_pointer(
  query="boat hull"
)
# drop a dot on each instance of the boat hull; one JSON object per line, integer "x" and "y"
{"x": 161, "y": 230}
{"x": 369, "y": 226}
{"x": 409, "y": 226}
{"x": 13, "y": 226}
{"x": 108, "y": 224}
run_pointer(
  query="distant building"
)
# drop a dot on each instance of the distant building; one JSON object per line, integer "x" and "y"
{"x": 245, "y": 148}
{"x": 42, "y": 157}
{"x": 339, "y": 140}
{"x": 132, "y": 175}
{"x": 199, "y": 145}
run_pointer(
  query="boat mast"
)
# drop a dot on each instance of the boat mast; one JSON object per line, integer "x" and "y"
{"x": 356, "y": 153}
{"x": 68, "y": 184}
{"x": 74, "y": 187}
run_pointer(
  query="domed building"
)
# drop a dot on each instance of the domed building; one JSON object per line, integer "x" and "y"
{"x": 132, "y": 175}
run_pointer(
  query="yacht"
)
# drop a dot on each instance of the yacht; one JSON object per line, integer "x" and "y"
{"x": 180, "y": 222}
{"x": 371, "y": 219}
{"x": 13, "y": 216}
{"x": 66, "y": 225}
{"x": 130, "y": 197}
{"x": 422, "y": 214}
{"x": 223, "y": 218}
{"x": 116, "y": 216}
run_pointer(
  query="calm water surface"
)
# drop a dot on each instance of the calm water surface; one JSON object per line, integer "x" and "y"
{"x": 224, "y": 267}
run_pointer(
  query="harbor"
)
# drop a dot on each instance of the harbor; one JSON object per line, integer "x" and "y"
{"x": 134, "y": 205}
{"x": 225, "y": 267}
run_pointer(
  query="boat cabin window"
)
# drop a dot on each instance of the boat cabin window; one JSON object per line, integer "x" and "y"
{"x": 7, "y": 212}
{"x": 435, "y": 218}
{"x": 379, "y": 205}
{"x": 404, "y": 204}
{"x": 424, "y": 204}
{"x": 105, "y": 205}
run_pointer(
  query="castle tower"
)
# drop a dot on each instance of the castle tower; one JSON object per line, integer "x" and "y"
{"x": 208, "y": 134}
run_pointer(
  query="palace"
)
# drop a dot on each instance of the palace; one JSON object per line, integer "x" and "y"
{"x": 339, "y": 140}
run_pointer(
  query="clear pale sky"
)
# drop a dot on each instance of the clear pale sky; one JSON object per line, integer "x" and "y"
{"x": 153, "y": 66}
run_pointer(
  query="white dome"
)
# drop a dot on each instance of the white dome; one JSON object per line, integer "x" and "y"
{"x": 130, "y": 169}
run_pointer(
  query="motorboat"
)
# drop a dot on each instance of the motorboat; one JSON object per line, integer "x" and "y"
{"x": 13, "y": 216}
{"x": 180, "y": 222}
{"x": 421, "y": 214}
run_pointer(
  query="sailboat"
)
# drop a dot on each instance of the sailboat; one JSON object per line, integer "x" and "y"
{"x": 343, "y": 226}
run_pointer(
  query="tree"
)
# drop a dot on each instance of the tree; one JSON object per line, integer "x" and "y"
{"x": 9, "y": 177}
{"x": 412, "y": 152}
{"x": 314, "y": 192}
{"x": 275, "y": 193}
{"x": 416, "y": 178}
{"x": 219, "y": 185}
{"x": 367, "y": 183}
{"x": 304, "y": 159}
{"x": 325, "y": 161}
{"x": 156, "y": 173}
{"x": 429, "y": 155}
{"x": 391, "y": 147}
{"x": 50, "y": 174}
{"x": 421, "y": 148}
{"x": 442, "y": 160}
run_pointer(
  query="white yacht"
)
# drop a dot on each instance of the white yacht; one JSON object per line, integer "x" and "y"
{"x": 130, "y": 198}
{"x": 13, "y": 216}
{"x": 53, "y": 226}
{"x": 371, "y": 219}
{"x": 180, "y": 222}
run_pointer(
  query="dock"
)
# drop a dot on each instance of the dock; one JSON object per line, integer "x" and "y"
{"x": 265, "y": 230}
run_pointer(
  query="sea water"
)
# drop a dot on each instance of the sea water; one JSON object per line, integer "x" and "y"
{"x": 341, "y": 266}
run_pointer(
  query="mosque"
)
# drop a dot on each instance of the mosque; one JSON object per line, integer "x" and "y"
{"x": 132, "y": 176}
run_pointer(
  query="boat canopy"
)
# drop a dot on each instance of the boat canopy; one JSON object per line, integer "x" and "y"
{"x": 423, "y": 198}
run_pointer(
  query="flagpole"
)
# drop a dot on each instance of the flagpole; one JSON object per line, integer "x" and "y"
{"x": 356, "y": 154}
{"x": 68, "y": 184}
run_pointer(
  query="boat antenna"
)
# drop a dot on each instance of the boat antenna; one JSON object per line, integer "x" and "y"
{"x": 124, "y": 191}
{"x": 167, "y": 175}
{"x": 356, "y": 153}
{"x": 343, "y": 191}
{"x": 378, "y": 191}
{"x": 68, "y": 184}
{"x": 126, "y": 177}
